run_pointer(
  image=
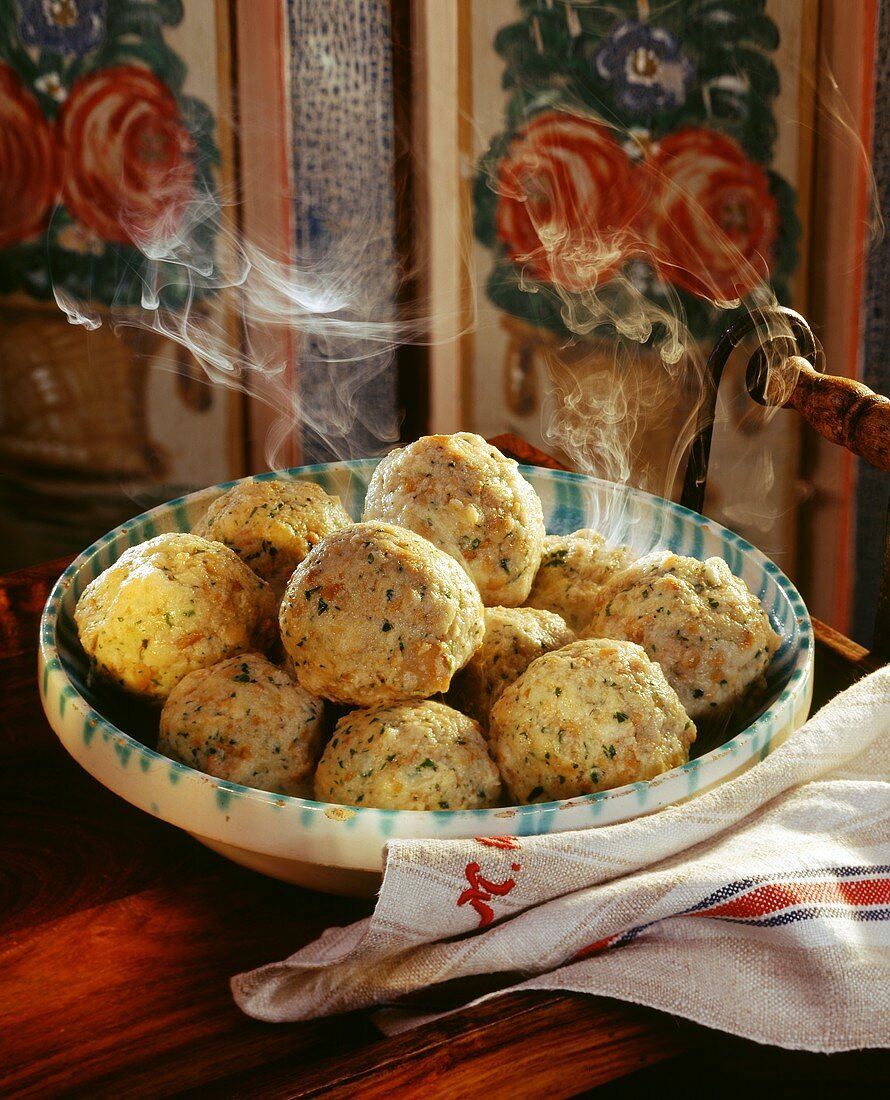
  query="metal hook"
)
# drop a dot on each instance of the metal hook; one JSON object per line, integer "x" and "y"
{"x": 801, "y": 342}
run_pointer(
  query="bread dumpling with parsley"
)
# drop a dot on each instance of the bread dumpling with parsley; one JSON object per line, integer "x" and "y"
{"x": 272, "y": 524}
{"x": 376, "y": 614}
{"x": 245, "y": 721}
{"x": 471, "y": 501}
{"x": 703, "y": 625}
{"x": 410, "y": 756}
{"x": 514, "y": 637}
{"x": 168, "y": 606}
{"x": 573, "y": 569}
{"x": 593, "y": 715}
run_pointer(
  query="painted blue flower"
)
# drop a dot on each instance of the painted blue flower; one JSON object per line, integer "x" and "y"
{"x": 66, "y": 26}
{"x": 646, "y": 67}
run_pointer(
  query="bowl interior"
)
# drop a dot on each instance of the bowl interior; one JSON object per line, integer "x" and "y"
{"x": 570, "y": 501}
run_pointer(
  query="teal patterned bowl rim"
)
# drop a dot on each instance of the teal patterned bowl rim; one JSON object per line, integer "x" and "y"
{"x": 570, "y": 501}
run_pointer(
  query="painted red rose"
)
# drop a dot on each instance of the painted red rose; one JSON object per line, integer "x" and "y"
{"x": 129, "y": 173}
{"x": 28, "y": 173}
{"x": 569, "y": 198}
{"x": 714, "y": 221}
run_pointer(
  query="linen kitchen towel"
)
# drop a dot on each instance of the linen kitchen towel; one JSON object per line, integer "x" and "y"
{"x": 761, "y": 907}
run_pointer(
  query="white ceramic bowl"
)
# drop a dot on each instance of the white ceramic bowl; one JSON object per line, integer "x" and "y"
{"x": 337, "y": 848}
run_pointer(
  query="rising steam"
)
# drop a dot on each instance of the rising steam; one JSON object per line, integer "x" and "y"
{"x": 629, "y": 372}
{"x": 322, "y": 302}
{"x": 631, "y": 369}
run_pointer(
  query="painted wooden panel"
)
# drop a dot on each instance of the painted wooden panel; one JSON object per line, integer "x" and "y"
{"x": 681, "y": 131}
{"x": 844, "y": 225}
{"x": 114, "y": 130}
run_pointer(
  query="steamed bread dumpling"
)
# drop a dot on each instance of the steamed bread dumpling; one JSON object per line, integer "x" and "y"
{"x": 573, "y": 569}
{"x": 272, "y": 524}
{"x": 702, "y": 624}
{"x": 376, "y": 614}
{"x": 168, "y": 606}
{"x": 514, "y": 637}
{"x": 246, "y": 721}
{"x": 409, "y": 756}
{"x": 471, "y": 501}
{"x": 594, "y": 715}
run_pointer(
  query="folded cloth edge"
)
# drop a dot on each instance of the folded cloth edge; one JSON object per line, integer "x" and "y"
{"x": 379, "y": 937}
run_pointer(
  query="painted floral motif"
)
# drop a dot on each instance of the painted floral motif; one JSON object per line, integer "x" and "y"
{"x": 645, "y": 66}
{"x": 635, "y": 159}
{"x": 50, "y": 84}
{"x": 102, "y": 151}
{"x": 78, "y": 239}
{"x": 29, "y": 177}
{"x": 65, "y": 26}
{"x": 568, "y": 200}
{"x": 128, "y": 167}
{"x": 715, "y": 220}
{"x": 574, "y": 207}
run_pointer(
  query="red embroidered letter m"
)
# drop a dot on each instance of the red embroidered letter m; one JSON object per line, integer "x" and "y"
{"x": 481, "y": 891}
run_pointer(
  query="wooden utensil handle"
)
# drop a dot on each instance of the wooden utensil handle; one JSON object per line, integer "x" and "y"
{"x": 841, "y": 410}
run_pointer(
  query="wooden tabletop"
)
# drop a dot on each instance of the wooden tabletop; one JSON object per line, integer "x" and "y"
{"x": 119, "y": 933}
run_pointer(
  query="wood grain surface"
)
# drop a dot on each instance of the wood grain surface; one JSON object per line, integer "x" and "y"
{"x": 119, "y": 933}
{"x": 841, "y": 410}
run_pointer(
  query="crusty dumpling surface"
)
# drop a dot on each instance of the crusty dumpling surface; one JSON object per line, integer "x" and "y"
{"x": 591, "y": 716}
{"x": 514, "y": 637}
{"x": 573, "y": 569}
{"x": 168, "y": 606}
{"x": 471, "y": 501}
{"x": 246, "y": 721}
{"x": 273, "y": 524}
{"x": 376, "y": 614}
{"x": 409, "y": 756}
{"x": 702, "y": 624}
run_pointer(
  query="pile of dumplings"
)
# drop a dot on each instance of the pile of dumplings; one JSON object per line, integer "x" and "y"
{"x": 443, "y": 653}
